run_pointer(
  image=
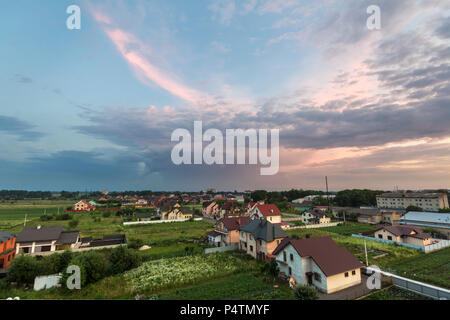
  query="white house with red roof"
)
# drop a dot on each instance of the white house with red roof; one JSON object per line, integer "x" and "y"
{"x": 319, "y": 262}
{"x": 268, "y": 211}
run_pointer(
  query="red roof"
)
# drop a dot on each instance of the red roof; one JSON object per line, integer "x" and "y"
{"x": 235, "y": 223}
{"x": 268, "y": 210}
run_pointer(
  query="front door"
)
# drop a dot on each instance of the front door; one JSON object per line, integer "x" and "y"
{"x": 309, "y": 277}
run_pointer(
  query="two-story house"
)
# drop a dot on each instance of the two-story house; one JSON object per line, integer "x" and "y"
{"x": 315, "y": 217}
{"x": 227, "y": 231}
{"x": 319, "y": 262}
{"x": 268, "y": 211}
{"x": 260, "y": 237}
{"x": 210, "y": 209}
{"x": 83, "y": 205}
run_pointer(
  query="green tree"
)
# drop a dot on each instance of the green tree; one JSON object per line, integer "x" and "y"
{"x": 73, "y": 223}
{"x": 93, "y": 266}
{"x": 123, "y": 259}
{"x": 24, "y": 269}
{"x": 413, "y": 208}
{"x": 304, "y": 292}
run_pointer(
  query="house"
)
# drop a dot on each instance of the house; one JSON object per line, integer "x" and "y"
{"x": 319, "y": 262}
{"x": 83, "y": 205}
{"x": 7, "y": 249}
{"x": 322, "y": 208}
{"x": 45, "y": 239}
{"x": 107, "y": 241}
{"x": 180, "y": 213}
{"x": 260, "y": 237}
{"x": 391, "y": 217}
{"x": 268, "y": 211}
{"x": 229, "y": 209}
{"x": 403, "y": 234}
{"x": 210, "y": 209}
{"x": 437, "y": 221}
{"x": 227, "y": 231}
{"x": 315, "y": 217}
{"x": 144, "y": 216}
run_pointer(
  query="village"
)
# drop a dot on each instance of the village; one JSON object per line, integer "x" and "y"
{"x": 253, "y": 245}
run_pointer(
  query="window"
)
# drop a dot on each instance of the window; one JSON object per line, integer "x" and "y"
{"x": 389, "y": 238}
{"x": 290, "y": 271}
{"x": 292, "y": 257}
{"x": 380, "y": 236}
{"x": 251, "y": 248}
{"x": 353, "y": 272}
{"x": 284, "y": 256}
{"x": 317, "y": 277}
{"x": 346, "y": 274}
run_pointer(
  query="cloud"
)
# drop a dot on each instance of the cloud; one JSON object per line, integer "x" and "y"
{"x": 21, "y": 129}
{"x": 223, "y": 10}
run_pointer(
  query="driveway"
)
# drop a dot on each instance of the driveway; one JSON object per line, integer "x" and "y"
{"x": 349, "y": 293}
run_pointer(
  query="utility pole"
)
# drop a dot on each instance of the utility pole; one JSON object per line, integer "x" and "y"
{"x": 365, "y": 250}
{"x": 328, "y": 198}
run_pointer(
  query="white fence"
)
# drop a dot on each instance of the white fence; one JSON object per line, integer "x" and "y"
{"x": 158, "y": 221}
{"x": 315, "y": 226}
{"x": 416, "y": 286}
{"x": 222, "y": 249}
{"x": 430, "y": 248}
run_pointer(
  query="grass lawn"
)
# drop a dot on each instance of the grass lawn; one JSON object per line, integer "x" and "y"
{"x": 169, "y": 251}
{"x": 350, "y": 228}
{"x": 433, "y": 268}
{"x": 396, "y": 293}
{"x": 169, "y": 233}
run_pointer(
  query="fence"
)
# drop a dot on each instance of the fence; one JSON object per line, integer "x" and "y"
{"x": 315, "y": 226}
{"x": 415, "y": 286}
{"x": 158, "y": 221}
{"x": 222, "y": 249}
{"x": 430, "y": 248}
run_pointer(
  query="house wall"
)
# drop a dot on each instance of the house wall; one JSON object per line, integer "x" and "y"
{"x": 339, "y": 281}
{"x": 7, "y": 252}
{"x": 296, "y": 264}
{"x": 35, "y": 246}
{"x": 321, "y": 284}
{"x": 385, "y": 234}
{"x": 417, "y": 242}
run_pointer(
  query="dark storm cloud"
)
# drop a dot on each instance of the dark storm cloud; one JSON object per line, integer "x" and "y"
{"x": 21, "y": 129}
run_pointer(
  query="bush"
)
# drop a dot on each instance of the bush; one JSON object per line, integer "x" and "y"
{"x": 304, "y": 292}
{"x": 45, "y": 217}
{"x": 93, "y": 266}
{"x": 135, "y": 243}
{"x": 73, "y": 223}
{"x": 24, "y": 269}
{"x": 51, "y": 264}
{"x": 123, "y": 259}
{"x": 64, "y": 216}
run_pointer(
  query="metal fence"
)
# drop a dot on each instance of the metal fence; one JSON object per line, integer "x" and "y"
{"x": 415, "y": 286}
{"x": 430, "y": 248}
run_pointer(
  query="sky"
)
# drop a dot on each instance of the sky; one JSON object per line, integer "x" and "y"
{"x": 94, "y": 108}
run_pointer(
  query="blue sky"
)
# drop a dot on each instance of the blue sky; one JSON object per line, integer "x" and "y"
{"x": 94, "y": 108}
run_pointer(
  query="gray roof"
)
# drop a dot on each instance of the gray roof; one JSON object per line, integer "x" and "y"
{"x": 42, "y": 234}
{"x": 68, "y": 237}
{"x": 264, "y": 230}
{"x": 4, "y": 236}
{"x": 442, "y": 218}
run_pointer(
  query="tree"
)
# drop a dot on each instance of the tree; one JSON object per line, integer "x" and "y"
{"x": 93, "y": 266}
{"x": 24, "y": 269}
{"x": 304, "y": 292}
{"x": 273, "y": 268}
{"x": 413, "y": 208}
{"x": 123, "y": 259}
{"x": 73, "y": 223}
